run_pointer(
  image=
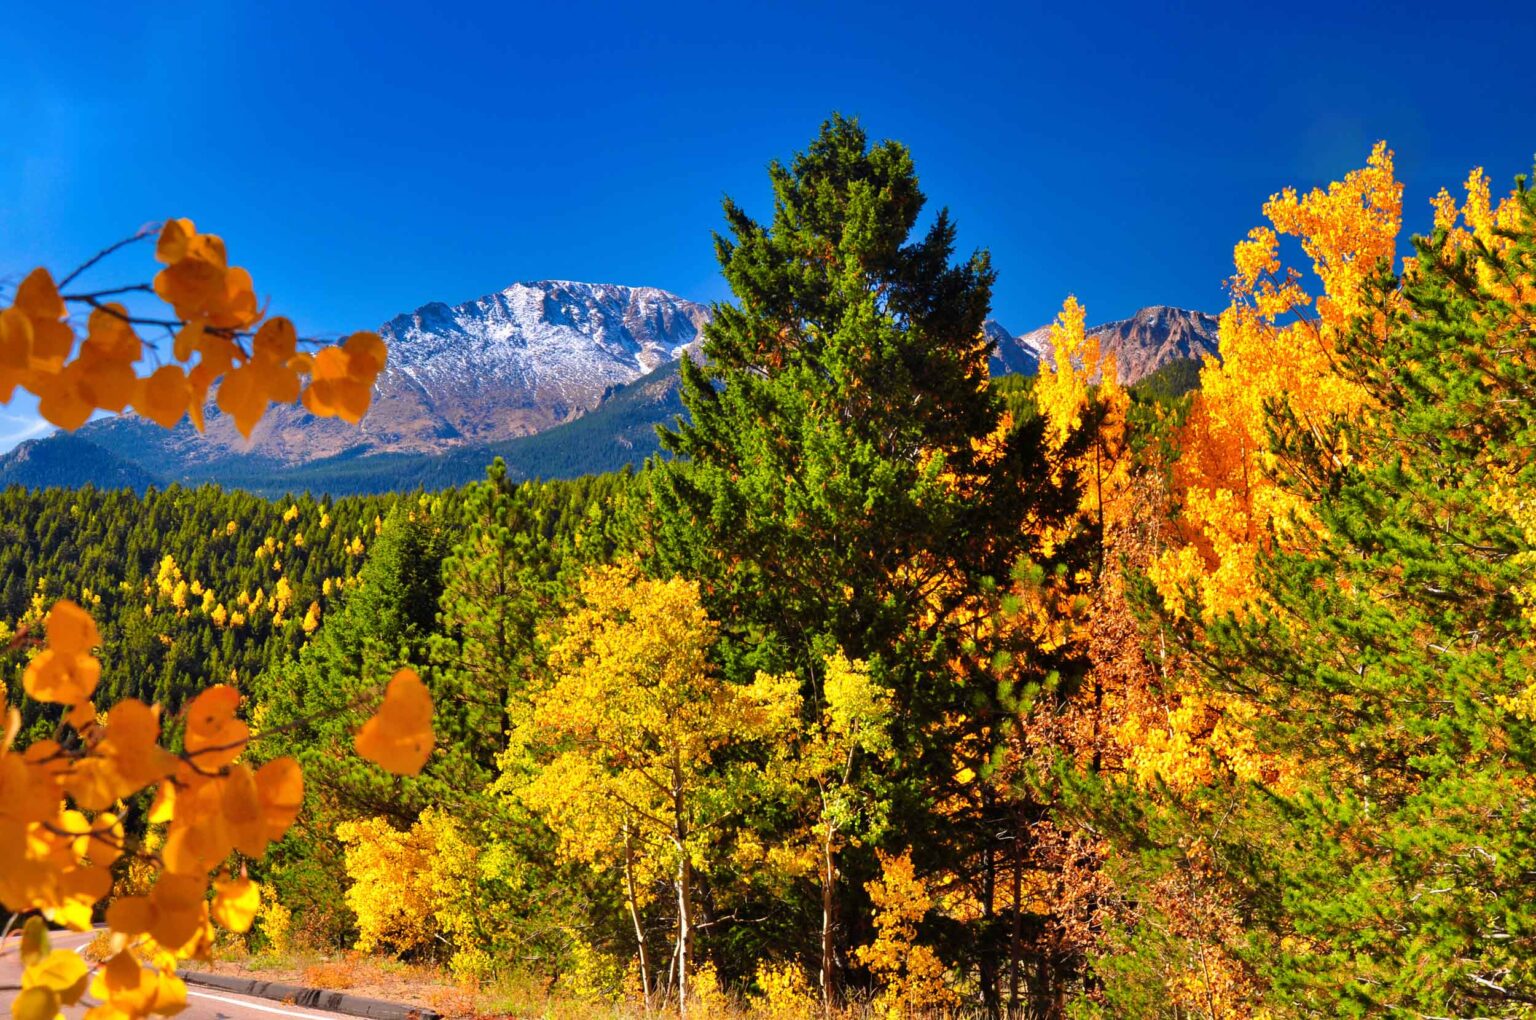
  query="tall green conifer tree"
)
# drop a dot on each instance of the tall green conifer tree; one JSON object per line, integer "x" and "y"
{"x": 846, "y": 480}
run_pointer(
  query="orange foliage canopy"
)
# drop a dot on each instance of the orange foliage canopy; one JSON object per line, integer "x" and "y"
{"x": 215, "y": 311}
{"x": 1278, "y": 343}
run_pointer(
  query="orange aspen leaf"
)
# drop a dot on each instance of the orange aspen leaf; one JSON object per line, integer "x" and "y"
{"x": 280, "y": 787}
{"x": 399, "y": 738}
{"x": 214, "y": 736}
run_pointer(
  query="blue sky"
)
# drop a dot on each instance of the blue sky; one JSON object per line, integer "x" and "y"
{"x": 364, "y": 159}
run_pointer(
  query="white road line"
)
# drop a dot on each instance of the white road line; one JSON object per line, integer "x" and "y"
{"x": 264, "y": 1009}
{"x": 240, "y": 1002}
{"x": 245, "y": 1004}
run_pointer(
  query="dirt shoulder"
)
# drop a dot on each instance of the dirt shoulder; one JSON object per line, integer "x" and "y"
{"x": 374, "y": 978}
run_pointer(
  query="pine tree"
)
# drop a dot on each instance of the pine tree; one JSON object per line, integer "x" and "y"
{"x": 847, "y": 480}
{"x": 833, "y": 395}
{"x": 382, "y": 625}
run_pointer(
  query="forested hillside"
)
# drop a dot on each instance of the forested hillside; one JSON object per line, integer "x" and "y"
{"x": 189, "y": 586}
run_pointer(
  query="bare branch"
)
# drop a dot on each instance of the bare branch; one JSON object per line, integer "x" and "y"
{"x": 147, "y": 230}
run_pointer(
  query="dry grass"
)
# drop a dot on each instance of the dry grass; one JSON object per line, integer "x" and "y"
{"x": 333, "y": 974}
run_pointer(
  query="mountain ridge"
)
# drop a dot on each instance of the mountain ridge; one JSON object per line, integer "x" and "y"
{"x": 514, "y": 373}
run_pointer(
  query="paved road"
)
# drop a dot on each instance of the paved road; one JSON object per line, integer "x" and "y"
{"x": 201, "y": 1004}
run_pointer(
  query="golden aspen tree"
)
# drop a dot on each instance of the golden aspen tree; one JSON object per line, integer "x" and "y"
{"x": 632, "y": 722}
{"x": 385, "y": 865}
{"x": 825, "y": 766}
{"x": 1079, "y": 388}
{"x": 913, "y": 978}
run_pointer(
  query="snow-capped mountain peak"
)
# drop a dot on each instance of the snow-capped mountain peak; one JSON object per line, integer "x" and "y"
{"x": 546, "y": 330}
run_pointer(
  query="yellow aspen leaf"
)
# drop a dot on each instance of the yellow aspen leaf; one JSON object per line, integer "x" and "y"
{"x": 399, "y": 738}
{"x": 104, "y": 384}
{"x": 127, "y": 759}
{"x": 78, "y": 892}
{"x": 178, "y": 914}
{"x": 75, "y": 823}
{"x": 61, "y": 970}
{"x": 72, "y": 914}
{"x": 218, "y": 356}
{"x": 61, "y": 402}
{"x": 110, "y": 336}
{"x": 70, "y": 629}
{"x": 235, "y": 903}
{"x": 126, "y": 987}
{"x": 164, "y": 807}
{"x": 341, "y": 378}
{"x": 66, "y": 679}
{"x": 165, "y": 396}
{"x": 35, "y": 1004}
{"x": 214, "y": 736}
{"x": 192, "y": 848}
{"x": 366, "y": 354}
{"x": 81, "y": 716}
{"x": 198, "y": 281}
{"x": 275, "y": 341}
{"x": 66, "y": 672}
{"x": 34, "y": 941}
{"x": 38, "y": 299}
{"x": 199, "y": 837}
{"x": 15, "y": 351}
{"x": 188, "y": 341}
{"x": 240, "y": 801}
{"x": 133, "y": 730}
{"x": 266, "y": 378}
{"x": 172, "y": 243}
{"x": 104, "y": 844}
{"x": 28, "y": 793}
{"x": 242, "y": 398}
{"x": 170, "y": 995}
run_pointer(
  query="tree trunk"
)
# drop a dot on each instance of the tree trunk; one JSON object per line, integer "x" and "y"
{"x": 634, "y": 915}
{"x": 1016, "y": 933}
{"x": 684, "y": 932}
{"x": 987, "y": 962}
{"x": 828, "y": 923}
{"x": 684, "y": 887}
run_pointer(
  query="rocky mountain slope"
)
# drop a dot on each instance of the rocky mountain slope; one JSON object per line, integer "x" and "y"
{"x": 509, "y": 364}
{"x": 1144, "y": 343}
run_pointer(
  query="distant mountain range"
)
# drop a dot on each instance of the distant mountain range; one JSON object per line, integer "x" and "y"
{"x": 558, "y": 378}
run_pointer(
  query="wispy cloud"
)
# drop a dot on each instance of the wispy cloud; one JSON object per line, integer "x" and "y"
{"x": 19, "y": 426}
